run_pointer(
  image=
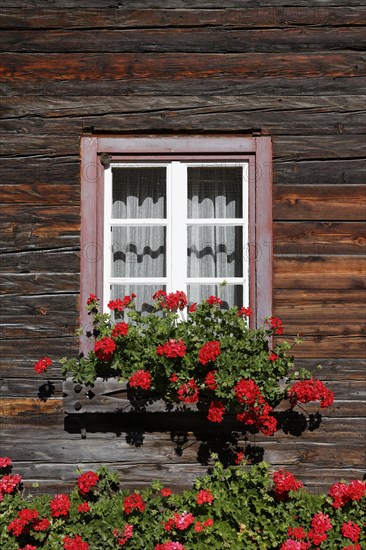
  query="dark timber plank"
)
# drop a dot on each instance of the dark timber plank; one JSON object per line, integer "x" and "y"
{"x": 184, "y": 40}
{"x": 306, "y": 238}
{"x": 50, "y": 17}
{"x": 320, "y": 202}
{"x": 179, "y": 66}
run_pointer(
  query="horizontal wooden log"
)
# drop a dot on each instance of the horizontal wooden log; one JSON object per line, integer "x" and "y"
{"x": 184, "y": 40}
{"x": 42, "y": 213}
{"x": 319, "y": 272}
{"x": 111, "y": 66}
{"x": 65, "y": 106}
{"x": 170, "y": 4}
{"x": 48, "y": 17}
{"x": 40, "y": 283}
{"x": 320, "y": 203}
{"x": 18, "y": 236}
{"x": 320, "y": 172}
{"x": 286, "y": 148}
{"x": 41, "y": 193}
{"x": 303, "y": 237}
{"x": 172, "y": 115}
{"x": 319, "y": 346}
{"x": 274, "y": 88}
{"x": 42, "y": 170}
{"x": 59, "y": 260}
{"x": 81, "y": 451}
{"x": 28, "y": 307}
{"x": 66, "y": 170}
{"x": 38, "y": 329}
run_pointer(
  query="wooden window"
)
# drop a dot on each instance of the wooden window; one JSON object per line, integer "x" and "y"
{"x": 177, "y": 213}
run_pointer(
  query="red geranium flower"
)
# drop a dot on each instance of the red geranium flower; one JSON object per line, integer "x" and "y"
{"x": 284, "y": 482}
{"x": 104, "y": 348}
{"x": 92, "y": 298}
{"x": 166, "y": 492}
{"x": 272, "y": 356}
{"x": 75, "y": 543}
{"x": 321, "y": 523}
{"x": 42, "y": 365}
{"x": 133, "y": 502}
{"x": 204, "y": 496}
{"x": 275, "y": 324}
{"x": 176, "y": 300}
{"x": 210, "y": 380}
{"x": 60, "y": 506}
{"x": 305, "y": 391}
{"x": 213, "y": 300}
{"x": 172, "y": 348}
{"x": 351, "y": 531}
{"x": 209, "y": 352}
{"x": 41, "y": 525}
{"x": 86, "y": 481}
{"x": 188, "y": 393}
{"x": 192, "y": 307}
{"x": 244, "y": 312}
{"x": 140, "y": 379}
{"x": 83, "y": 508}
{"x": 216, "y": 411}
{"x": 5, "y": 461}
{"x": 120, "y": 329}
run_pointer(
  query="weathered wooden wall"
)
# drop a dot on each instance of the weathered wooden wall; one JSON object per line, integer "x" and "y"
{"x": 296, "y": 73}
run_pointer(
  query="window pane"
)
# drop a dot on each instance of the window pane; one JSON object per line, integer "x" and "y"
{"x": 139, "y": 192}
{"x": 143, "y": 300}
{"x": 138, "y": 251}
{"x": 231, "y": 295}
{"x": 215, "y": 192}
{"x": 215, "y": 251}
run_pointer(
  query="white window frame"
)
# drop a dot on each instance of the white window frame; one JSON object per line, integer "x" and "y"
{"x": 176, "y": 223}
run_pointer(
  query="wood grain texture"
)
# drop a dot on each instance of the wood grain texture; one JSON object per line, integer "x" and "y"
{"x": 319, "y": 237}
{"x": 49, "y": 17}
{"x": 184, "y": 40}
{"x": 179, "y": 66}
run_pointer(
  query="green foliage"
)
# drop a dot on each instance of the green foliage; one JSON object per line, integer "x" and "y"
{"x": 244, "y": 514}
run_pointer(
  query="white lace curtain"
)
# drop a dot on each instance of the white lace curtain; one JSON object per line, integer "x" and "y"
{"x": 212, "y": 251}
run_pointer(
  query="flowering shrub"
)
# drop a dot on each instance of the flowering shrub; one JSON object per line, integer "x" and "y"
{"x": 196, "y": 353}
{"x": 238, "y": 507}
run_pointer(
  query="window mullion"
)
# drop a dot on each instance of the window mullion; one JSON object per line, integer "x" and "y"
{"x": 178, "y": 251}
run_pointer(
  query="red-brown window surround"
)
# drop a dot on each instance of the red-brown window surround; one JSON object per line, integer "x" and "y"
{"x": 257, "y": 151}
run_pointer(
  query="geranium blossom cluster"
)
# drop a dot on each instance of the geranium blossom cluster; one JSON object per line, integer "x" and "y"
{"x": 209, "y": 352}
{"x": 305, "y": 391}
{"x": 8, "y": 484}
{"x": 104, "y": 348}
{"x": 87, "y": 481}
{"x": 75, "y": 543}
{"x": 283, "y": 483}
{"x": 123, "y": 536}
{"x": 257, "y": 411}
{"x": 26, "y": 520}
{"x": 60, "y": 505}
{"x": 42, "y": 365}
{"x": 172, "y": 301}
{"x": 199, "y": 352}
{"x": 342, "y": 493}
{"x": 133, "y": 502}
{"x": 120, "y": 304}
{"x": 140, "y": 379}
{"x": 172, "y": 349}
{"x": 318, "y": 533}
